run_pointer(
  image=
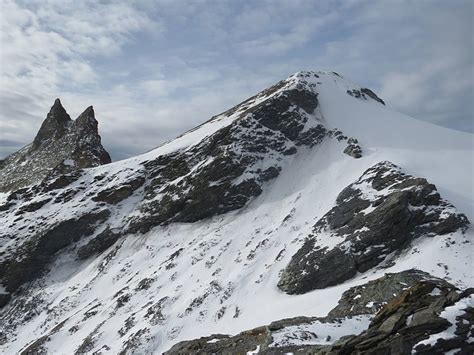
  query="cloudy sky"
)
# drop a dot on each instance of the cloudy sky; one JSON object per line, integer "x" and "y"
{"x": 153, "y": 69}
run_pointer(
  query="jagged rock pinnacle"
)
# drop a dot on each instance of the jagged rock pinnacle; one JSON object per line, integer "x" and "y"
{"x": 59, "y": 139}
{"x": 54, "y": 126}
{"x": 89, "y": 112}
{"x": 86, "y": 122}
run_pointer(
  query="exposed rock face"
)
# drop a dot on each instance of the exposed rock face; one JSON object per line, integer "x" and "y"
{"x": 54, "y": 126}
{"x": 98, "y": 244}
{"x": 353, "y": 150}
{"x": 61, "y": 145}
{"x": 32, "y": 257}
{"x": 372, "y": 296}
{"x": 116, "y": 194}
{"x": 4, "y": 298}
{"x": 427, "y": 315}
{"x": 242, "y": 343}
{"x": 376, "y": 216}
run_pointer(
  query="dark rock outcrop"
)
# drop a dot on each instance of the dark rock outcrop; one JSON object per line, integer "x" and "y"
{"x": 4, "y": 299}
{"x": 54, "y": 126}
{"x": 224, "y": 344}
{"x": 379, "y": 214}
{"x": 353, "y": 150}
{"x": 116, "y": 194}
{"x": 369, "y": 298}
{"x": 33, "y": 256}
{"x": 88, "y": 148}
{"x": 371, "y": 94}
{"x": 98, "y": 244}
{"x": 418, "y": 321}
{"x": 363, "y": 93}
{"x": 56, "y": 180}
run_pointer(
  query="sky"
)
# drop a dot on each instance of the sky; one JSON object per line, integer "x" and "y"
{"x": 154, "y": 69}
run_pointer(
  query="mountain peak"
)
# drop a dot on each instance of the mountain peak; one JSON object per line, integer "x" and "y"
{"x": 310, "y": 80}
{"x": 54, "y": 126}
{"x": 58, "y": 112}
{"x": 87, "y": 120}
{"x": 89, "y": 112}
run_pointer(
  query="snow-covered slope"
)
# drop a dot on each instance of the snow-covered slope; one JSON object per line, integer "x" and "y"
{"x": 191, "y": 238}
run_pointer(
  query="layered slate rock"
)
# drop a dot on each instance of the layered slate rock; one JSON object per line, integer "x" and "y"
{"x": 376, "y": 216}
{"x": 417, "y": 313}
{"x": 372, "y": 296}
{"x": 60, "y": 146}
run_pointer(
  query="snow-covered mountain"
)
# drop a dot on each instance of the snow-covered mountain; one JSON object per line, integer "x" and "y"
{"x": 302, "y": 211}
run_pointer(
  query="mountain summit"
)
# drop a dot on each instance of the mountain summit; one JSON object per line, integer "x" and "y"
{"x": 309, "y": 213}
{"x": 60, "y": 145}
{"x": 54, "y": 126}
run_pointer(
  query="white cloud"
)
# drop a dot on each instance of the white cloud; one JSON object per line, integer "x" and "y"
{"x": 279, "y": 44}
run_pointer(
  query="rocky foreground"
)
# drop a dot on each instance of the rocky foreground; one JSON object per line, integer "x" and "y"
{"x": 413, "y": 312}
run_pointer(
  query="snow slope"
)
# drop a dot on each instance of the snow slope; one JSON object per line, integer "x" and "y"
{"x": 219, "y": 275}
